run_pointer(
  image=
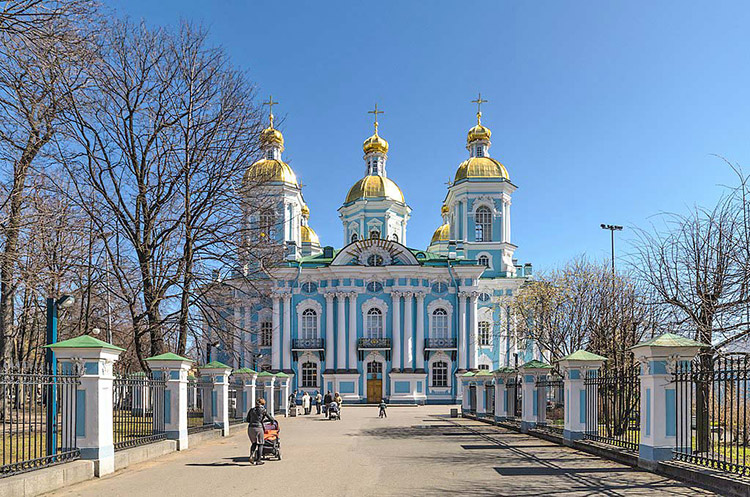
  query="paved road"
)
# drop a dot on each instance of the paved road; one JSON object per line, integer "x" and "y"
{"x": 416, "y": 451}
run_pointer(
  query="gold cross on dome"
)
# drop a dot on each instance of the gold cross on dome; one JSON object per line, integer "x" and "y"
{"x": 479, "y": 101}
{"x": 270, "y": 105}
{"x": 376, "y": 112}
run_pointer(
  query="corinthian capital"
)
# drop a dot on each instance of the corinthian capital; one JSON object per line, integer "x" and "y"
{"x": 329, "y": 296}
{"x": 420, "y": 295}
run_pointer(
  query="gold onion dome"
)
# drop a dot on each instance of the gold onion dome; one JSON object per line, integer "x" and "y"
{"x": 481, "y": 167}
{"x": 444, "y": 209}
{"x": 309, "y": 235}
{"x": 442, "y": 234}
{"x": 305, "y": 211}
{"x": 374, "y": 187}
{"x": 271, "y": 136}
{"x": 375, "y": 144}
{"x": 477, "y": 133}
{"x": 271, "y": 170}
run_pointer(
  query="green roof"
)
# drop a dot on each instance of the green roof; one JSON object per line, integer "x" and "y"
{"x": 169, "y": 356}
{"x": 215, "y": 365}
{"x": 484, "y": 372}
{"x": 534, "y": 364}
{"x": 670, "y": 340}
{"x": 245, "y": 371}
{"x": 281, "y": 375}
{"x": 264, "y": 374}
{"x": 84, "y": 342}
{"x": 583, "y": 355}
{"x": 504, "y": 370}
{"x": 468, "y": 374}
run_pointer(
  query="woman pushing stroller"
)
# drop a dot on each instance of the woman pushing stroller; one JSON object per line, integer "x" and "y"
{"x": 255, "y": 418}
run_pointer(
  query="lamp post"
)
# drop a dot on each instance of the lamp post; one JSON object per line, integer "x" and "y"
{"x": 612, "y": 228}
{"x": 49, "y": 359}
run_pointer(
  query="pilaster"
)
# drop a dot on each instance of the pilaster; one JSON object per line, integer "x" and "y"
{"x": 575, "y": 367}
{"x": 174, "y": 369}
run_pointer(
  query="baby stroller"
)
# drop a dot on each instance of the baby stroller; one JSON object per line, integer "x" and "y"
{"x": 271, "y": 440}
{"x": 334, "y": 411}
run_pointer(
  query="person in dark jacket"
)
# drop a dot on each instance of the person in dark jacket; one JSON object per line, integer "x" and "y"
{"x": 327, "y": 401}
{"x": 255, "y": 418}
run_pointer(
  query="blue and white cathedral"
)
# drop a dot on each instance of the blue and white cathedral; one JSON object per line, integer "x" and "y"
{"x": 375, "y": 318}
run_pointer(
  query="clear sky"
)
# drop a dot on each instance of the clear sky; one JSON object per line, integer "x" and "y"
{"x": 602, "y": 111}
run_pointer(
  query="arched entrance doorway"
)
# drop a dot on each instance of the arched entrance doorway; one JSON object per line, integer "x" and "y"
{"x": 374, "y": 382}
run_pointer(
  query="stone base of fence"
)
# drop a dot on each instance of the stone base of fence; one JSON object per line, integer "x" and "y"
{"x": 134, "y": 455}
{"x": 46, "y": 479}
{"x": 718, "y": 481}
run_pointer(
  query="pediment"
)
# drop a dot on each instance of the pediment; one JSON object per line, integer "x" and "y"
{"x": 392, "y": 253}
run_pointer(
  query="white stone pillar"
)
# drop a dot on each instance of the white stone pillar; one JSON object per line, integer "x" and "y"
{"x": 353, "y": 332}
{"x": 174, "y": 370}
{"x": 462, "y": 362}
{"x": 341, "y": 333}
{"x": 284, "y": 381}
{"x": 218, "y": 374}
{"x": 396, "y": 359}
{"x": 502, "y": 404}
{"x": 94, "y": 429}
{"x": 276, "y": 334}
{"x": 329, "y": 332}
{"x": 247, "y": 378}
{"x": 267, "y": 381}
{"x": 420, "y": 331}
{"x": 408, "y": 342}
{"x": 465, "y": 401}
{"x": 574, "y": 368}
{"x": 473, "y": 332}
{"x": 530, "y": 406}
{"x": 286, "y": 351}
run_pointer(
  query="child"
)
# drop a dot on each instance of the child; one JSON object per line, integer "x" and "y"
{"x": 382, "y": 407}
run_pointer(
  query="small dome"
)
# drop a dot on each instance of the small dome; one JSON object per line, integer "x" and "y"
{"x": 481, "y": 167}
{"x": 271, "y": 136}
{"x": 375, "y": 144}
{"x": 444, "y": 209}
{"x": 477, "y": 133}
{"x": 271, "y": 170}
{"x": 442, "y": 234}
{"x": 375, "y": 187}
{"x": 309, "y": 236}
{"x": 305, "y": 210}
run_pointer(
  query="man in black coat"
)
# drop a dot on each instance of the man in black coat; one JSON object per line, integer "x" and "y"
{"x": 327, "y": 401}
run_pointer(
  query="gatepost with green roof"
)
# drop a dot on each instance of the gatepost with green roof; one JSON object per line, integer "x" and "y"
{"x": 267, "y": 382}
{"x": 501, "y": 392}
{"x": 174, "y": 370}
{"x": 93, "y": 400}
{"x": 466, "y": 392}
{"x": 531, "y": 411}
{"x": 482, "y": 377}
{"x": 246, "y": 378}
{"x": 657, "y": 358}
{"x": 217, "y": 374}
{"x": 574, "y": 368}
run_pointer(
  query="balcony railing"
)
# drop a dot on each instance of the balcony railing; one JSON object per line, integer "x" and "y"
{"x": 374, "y": 343}
{"x": 439, "y": 343}
{"x": 308, "y": 344}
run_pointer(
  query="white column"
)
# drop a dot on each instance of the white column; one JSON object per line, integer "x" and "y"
{"x": 341, "y": 332}
{"x": 174, "y": 370}
{"x": 353, "y": 331}
{"x": 501, "y": 397}
{"x": 473, "y": 337}
{"x": 286, "y": 352}
{"x": 268, "y": 387}
{"x": 408, "y": 335}
{"x": 466, "y": 220}
{"x": 329, "y": 332}
{"x": 507, "y": 222}
{"x": 462, "y": 362}
{"x": 396, "y": 359}
{"x": 276, "y": 335}
{"x": 420, "y": 331}
{"x": 219, "y": 399}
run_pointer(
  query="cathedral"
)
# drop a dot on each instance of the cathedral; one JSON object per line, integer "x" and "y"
{"x": 377, "y": 319}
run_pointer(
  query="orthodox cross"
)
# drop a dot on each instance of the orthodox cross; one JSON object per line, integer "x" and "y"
{"x": 376, "y": 112}
{"x": 479, "y": 101}
{"x": 270, "y": 105}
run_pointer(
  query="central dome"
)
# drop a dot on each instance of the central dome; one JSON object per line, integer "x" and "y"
{"x": 375, "y": 187}
{"x": 271, "y": 170}
{"x": 481, "y": 167}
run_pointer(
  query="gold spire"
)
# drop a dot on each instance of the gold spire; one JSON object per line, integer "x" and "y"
{"x": 479, "y": 132}
{"x": 375, "y": 143}
{"x": 270, "y": 135}
{"x": 270, "y": 105}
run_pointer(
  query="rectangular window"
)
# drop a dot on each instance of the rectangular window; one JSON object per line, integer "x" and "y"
{"x": 485, "y": 334}
{"x": 266, "y": 333}
{"x": 440, "y": 374}
{"x": 484, "y": 366}
{"x": 309, "y": 375}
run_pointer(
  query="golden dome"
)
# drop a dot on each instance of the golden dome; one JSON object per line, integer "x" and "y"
{"x": 481, "y": 167}
{"x": 442, "y": 234}
{"x": 375, "y": 144}
{"x": 308, "y": 235}
{"x": 305, "y": 210}
{"x": 271, "y": 170}
{"x": 478, "y": 132}
{"x": 271, "y": 136}
{"x": 444, "y": 209}
{"x": 373, "y": 186}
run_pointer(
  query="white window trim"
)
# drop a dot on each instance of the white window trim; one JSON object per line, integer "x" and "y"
{"x": 309, "y": 357}
{"x": 437, "y": 303}
{"x": 440, "y": 356}
{"x": 484, "y": 359}
{"x": 376, "y": 357}
{"x": 302, "y": 307}
{"x": 484, "y": 201}
{"x": 375, "y": 303}
{"x": 365, "y": 254}
{"x": 491, "y": 266}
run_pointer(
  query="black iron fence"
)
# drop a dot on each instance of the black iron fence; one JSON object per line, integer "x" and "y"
{"x": 38, "y": 413}
{"x": 235, "y": 404}
{"x": 711, "y": 412}
{"x": 515, "y": 399}
{"x": 613, "y": 414}
{"x": 551, "y": 397}
{"x": 489, "y": 395}
{"x": 199, "y": 394}
{"x": 138, "y": 409}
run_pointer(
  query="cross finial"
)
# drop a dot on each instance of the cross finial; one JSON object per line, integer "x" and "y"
{"x": 270, "y": 105}
{"x": 376, "y": 112}
{"x": 479, "y": 101}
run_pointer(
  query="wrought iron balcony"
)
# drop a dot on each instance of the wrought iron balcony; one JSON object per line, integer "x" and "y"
{"x": 439, "y": 343}
{"x": 374, "y": 343}
{"x": 308, "y": 344}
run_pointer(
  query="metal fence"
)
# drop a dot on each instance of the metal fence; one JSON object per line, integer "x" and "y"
{"x": 138, "y": 409}
{"x": 198, "y": 418}
{"x": 515, "y": 399}
{"x": 236, "y": 410}
{"x": 551, "y": 395}
{"x": 489, "y": 395}
{"x": 711, "y": 410}
{"x": 37, "y": 410}
{"x": 613, "y": 414}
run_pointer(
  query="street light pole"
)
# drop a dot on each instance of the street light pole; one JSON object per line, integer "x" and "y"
{"x": 612, "y": 228}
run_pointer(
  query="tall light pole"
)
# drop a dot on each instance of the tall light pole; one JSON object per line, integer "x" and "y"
{"x": 51, "y": 365}
{"x": 612, "y": 228}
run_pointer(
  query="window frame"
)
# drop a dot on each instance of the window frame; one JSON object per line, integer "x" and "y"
{"x": 484, "y": 333}
{"x": 439, "y": 374}
{"x": 309, "y": 324}
{"x": 308, "y": 369}
{"x": 483, "y": 224}
{"x": 372, "y": 322}
{"x": 439, "y": 329}
{"x": 266, "y": 334}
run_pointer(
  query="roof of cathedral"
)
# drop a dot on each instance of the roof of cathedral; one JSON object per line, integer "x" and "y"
{"x": 271, "y": 170}
{"x": 481, "y": 167}
{"x": 308, "y": 235}
{"x": 375, "y": 187}
{"x": 442, "y": 234}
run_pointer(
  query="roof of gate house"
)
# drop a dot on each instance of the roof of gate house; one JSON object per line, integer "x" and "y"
{"x": 215, "y": 365}
{"x": 670, "y": 340}
{"x": 245, "y": 370}
{"x": 281, "y": 375}
{"x": 483, "y": 372}
{"x": 169, "y": 356}
{"x": 583, "y": 355}
{"x": 504, "y": 370}
{"x": 84, "y": 342}
{"x": 469, "y": 373}
{"x": 534, "y": 364}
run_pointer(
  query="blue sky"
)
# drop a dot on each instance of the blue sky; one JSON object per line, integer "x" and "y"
{"x": 602, "y": 112}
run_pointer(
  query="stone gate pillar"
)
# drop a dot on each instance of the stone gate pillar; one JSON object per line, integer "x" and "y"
{"x": 174, "y": 370}
{"x": 217, "y": 374}
{"x": 574, "y": 368}
{"x": 530, "y": 398}
{"x": 501, "y": 392}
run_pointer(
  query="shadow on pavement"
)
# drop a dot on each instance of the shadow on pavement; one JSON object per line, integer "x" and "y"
{"x": 235, "y": 462}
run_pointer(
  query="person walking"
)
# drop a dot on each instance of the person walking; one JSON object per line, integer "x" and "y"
{"x": 255, "y": 418}
{"x": 327, "y": 402}
{"x": 306, "y": 403}
{"x": 318, "y": 401}
{"x": 292, "y": 401}
{"x": 339, "y": 401}
{"x": 381, "y": 407}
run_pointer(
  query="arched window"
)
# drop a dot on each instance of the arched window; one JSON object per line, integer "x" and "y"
{"x": 440, "y": 323}
{"x": 485, "y": 334}
{"x": 309, "y": 324}
{"x": 439, "y": 374}
{"x": 374, "y": 327}
{"x": 374, "y": 234}
{"x": 266, "y": 223}
{"x": 355, "y": 237}
{"x": 375, "y": 260}
{"x": 484, "y": 261}
{"x": 483, "y": 224}
{"x": 309, "y": 375}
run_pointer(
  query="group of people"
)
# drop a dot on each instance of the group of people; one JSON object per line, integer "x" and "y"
{"x": 324, "y": 404}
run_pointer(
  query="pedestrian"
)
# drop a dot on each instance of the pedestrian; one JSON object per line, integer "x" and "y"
{"x": 339, "y": 401}
{"x": 255, "y": 418}
{"x": 318, "y": 401}
{"x": 327, "y": 402}
{"x": 306, "y": 403}
{"x": 381, "y": 408}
